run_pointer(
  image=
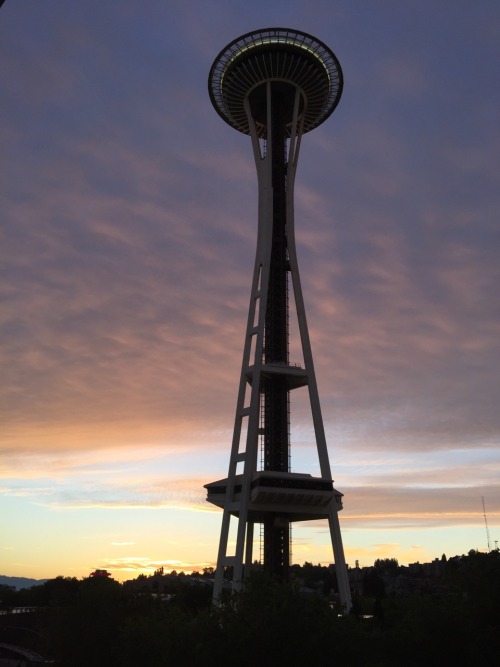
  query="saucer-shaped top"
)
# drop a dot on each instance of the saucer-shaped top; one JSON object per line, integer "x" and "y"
{"x": 278, "y": 55}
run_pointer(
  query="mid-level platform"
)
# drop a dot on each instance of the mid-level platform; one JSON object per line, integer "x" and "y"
{"x": 297, "y": 496}
{"x": 295, "y": 375}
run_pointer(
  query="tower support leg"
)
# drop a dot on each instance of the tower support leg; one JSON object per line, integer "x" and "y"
{"x": 338, "y": 554}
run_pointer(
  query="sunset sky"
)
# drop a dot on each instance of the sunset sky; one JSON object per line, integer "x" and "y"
{"x": 128, "y": 229}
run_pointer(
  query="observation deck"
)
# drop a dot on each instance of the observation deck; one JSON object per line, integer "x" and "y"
{"x": 291, "y": 59}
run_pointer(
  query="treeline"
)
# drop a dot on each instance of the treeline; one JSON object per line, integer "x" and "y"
{"x": 168, "y": 620}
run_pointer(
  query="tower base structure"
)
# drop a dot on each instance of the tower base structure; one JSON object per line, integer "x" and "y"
{"x": 274, "y": 85}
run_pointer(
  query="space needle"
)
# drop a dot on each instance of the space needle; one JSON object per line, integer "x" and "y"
{"x": 274, "y": 85}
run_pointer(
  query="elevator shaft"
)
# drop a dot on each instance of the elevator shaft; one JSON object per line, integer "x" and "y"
{"x": 276, "y": 399}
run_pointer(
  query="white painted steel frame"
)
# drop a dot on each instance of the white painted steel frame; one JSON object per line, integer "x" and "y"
{"x": 255, "y": 328}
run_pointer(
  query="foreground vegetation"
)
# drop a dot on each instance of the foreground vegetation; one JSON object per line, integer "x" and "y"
{"x": 168, "y": 620}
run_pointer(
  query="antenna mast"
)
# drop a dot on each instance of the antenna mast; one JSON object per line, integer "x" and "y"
{"x": 486, "y": 524}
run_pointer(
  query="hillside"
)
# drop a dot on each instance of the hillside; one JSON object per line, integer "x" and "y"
{"x": 20, "y": 582}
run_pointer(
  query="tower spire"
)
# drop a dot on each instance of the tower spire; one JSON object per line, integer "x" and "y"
{"x": 274, "y": 85}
